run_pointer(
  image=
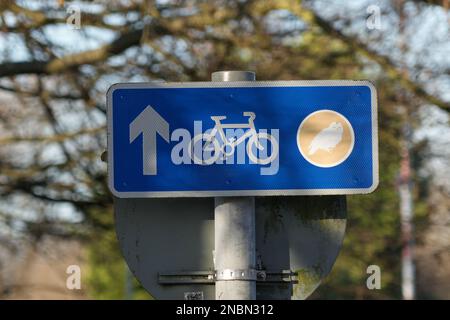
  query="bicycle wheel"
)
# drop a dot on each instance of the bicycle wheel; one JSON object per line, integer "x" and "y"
{"x": 251, "y": 146}
{"x": 197, "y": 157}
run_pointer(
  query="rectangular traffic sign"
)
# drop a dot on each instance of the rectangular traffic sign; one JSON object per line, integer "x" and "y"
{"x": 203, "y": 139}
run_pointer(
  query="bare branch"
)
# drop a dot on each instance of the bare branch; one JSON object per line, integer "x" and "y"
{"x": 58, "y": 65}
{"x": 356, "y": 45}
{"x": 53, "y": 138}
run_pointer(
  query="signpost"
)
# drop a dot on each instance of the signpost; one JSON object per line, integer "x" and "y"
{"x": 233, "y": 141}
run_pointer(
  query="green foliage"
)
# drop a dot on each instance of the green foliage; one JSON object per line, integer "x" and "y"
{"x": 107, "y": 271}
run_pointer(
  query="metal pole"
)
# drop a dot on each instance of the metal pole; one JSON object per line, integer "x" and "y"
{"x": 234, "y": 224}
{"x": 406, "y": 214}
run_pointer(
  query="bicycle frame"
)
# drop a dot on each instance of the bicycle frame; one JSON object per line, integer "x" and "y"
{"x": 220, "y": 148}
{"x": 220, "y": 128}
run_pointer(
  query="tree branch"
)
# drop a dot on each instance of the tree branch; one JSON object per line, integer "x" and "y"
{"x": 57, "y": 65}
{"x": 356, "y": 45}
{"x": 52, "y": 138}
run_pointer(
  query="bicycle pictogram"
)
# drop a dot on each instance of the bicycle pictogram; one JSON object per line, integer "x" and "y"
{"x": 216, "y": 143}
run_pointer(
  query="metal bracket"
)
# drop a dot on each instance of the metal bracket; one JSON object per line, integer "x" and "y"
{"x": 235, "y": 274}
{"x": 283, "y": 276}
{"x": 186, "y": 277}
{"x": 210, "y": 277}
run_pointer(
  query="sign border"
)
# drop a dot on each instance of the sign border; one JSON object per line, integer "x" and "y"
{"x": 242, "y": 84}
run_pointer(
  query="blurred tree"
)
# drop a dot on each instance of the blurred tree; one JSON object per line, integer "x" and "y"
{"x": 54, "y": 75}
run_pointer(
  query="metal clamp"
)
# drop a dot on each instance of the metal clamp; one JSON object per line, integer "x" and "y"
{"x": 235, "y": 274}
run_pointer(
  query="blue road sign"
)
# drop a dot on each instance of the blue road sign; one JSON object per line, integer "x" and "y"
{"x": 206, "y": 139}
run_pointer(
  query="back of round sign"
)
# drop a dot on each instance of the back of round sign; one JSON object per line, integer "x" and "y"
{"x": 302, "y": 235}
{"x": 168, "y": 244}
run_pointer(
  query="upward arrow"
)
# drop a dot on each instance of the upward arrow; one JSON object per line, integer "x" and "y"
{"x": 149, "y": 123}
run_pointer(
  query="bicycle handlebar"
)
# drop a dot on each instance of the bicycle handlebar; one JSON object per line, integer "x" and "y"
{"x": 250, "y": 114}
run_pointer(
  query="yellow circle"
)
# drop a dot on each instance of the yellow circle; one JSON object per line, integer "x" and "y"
{"x": 325, "y": 138}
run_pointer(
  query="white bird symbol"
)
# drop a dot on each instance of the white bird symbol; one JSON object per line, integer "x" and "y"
{"x": 327, "y": 139}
